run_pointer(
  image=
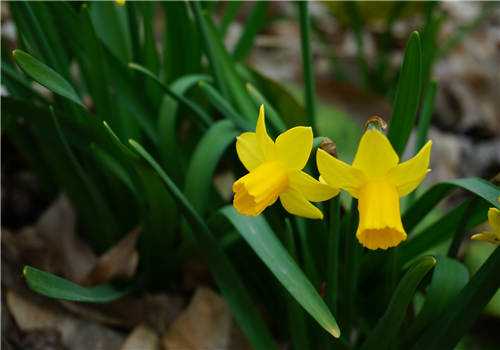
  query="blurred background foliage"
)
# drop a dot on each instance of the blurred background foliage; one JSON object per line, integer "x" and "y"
{"x": 132, "y": 111}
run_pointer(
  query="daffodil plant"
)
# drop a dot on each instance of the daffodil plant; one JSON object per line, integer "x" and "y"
{"x": 146, "y": 135}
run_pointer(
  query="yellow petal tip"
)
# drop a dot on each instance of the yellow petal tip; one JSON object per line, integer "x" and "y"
{"x": 261, "y": 110}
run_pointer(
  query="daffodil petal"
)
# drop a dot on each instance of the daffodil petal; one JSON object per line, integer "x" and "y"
{"x": 339, "y": 174}
{"x": 295, "y": 203}
{"x": 375, "y": 155}
{"x": 408, "y": 175}
{"x": 294, "y": 146}
{"x": 249, "y": 151}
{"x": 266, "y": 144}
{"x": 494, "y": 220}
{"x": 312, "y": 189}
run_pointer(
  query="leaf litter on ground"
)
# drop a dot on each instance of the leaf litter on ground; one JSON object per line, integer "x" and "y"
{"x": 148, "y": 321}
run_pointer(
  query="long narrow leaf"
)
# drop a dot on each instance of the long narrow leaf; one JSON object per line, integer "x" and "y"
{"x": 333, "y": 255}
{"x": 460, "y": 314}
{"x": 210, "y": 50}
{"x": 223, "y": 67}
{"x": 425, "y": 116}
{"x": 199, "y": 176}
{"x": 479, "y": 187}
{"x": 448, "y": 278}
{"x": 167, "y": 126}
{"x": 159, "y": 210}
{"x": 111, "y": 26}
{"x": 253, "y": 24}
{"x": 17, "y": 84}
{"x": 32, "y": 33}
{"x": 230, "y": 284}
{"x": 296, "y": 314}
{"x": 46, "y": 76}
{"x": 56, "y": 287}
{"x": 230, "y": 12}
{"x": 95, "y": 199}
{"x": 274, "y": 118}
{"x": 443, "y": 229}
{"x": 224, "y": 106}
{"x": 307, "y": 64}
{"x": 203, "y": 117}
{"x": 182, "y": 46}
{"x": 430, "y": 45}
{"x": 388, "y": 327}
{"x": 149, "y": 52}
{"x": 407, "y": 95}
{"x": 76, "y": 29}
{"x": 263, "y": 241}
{"x": 349, "y": 274}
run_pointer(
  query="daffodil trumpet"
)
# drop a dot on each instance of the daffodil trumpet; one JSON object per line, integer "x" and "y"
{"x": 378, "y": 181}
{"x": 275, "y": 171}
{"x": 492, "y": 236}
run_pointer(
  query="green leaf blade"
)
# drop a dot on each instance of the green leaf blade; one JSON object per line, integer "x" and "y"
{"x": 253, "y": 24}
{"x": 224, "y": 106}
{"x": 407, "y": 95}
{"x": 307, "y": 64}
{"x": 204, "y": 161}
{"x": 169, "y": 147}
{"x": 46, "y": 76}
{"x": 443, "y": 228}
{"x": 203, "y": 116}
{"x": 425, "y": 203}
{"x": 223, "y": 67}
{"x": 263, "y": 241}
{"x": 224, "y": 273}
{"x": 460, "y": 314}
{"x": 425, "y": 116}
{"x": 110, "y": 24}
{"x": 388, "y": 327}
{"x": 448, "y": 278}
{"x": 57, "y": 287}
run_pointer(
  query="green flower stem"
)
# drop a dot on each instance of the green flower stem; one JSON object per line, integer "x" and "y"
{"x": 332, "y": 276}
{"x": 305, "y": 29}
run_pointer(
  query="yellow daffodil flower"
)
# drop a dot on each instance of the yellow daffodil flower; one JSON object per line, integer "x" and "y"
{"x": 377, "y": 180}
{"x": 494, "y": 235}
{"x": 275, "y": 170}
{"x": 120, "y": 2}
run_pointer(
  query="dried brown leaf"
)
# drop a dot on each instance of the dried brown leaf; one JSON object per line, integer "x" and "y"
{"x": 156, "y": 310}
{"x": 75, "y": 334}
{"x": 204, "y": 325}
{"x": 71, "y": 256}
{"x": 142, "y": 337}
{"x": 120, "y": 261}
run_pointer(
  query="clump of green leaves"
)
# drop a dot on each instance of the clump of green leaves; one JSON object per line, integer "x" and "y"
{"x": 134, "y": 135}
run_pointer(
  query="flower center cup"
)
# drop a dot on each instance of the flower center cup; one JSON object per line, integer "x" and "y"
{"x": 380, "y": 223}
{"x": 260, "y": 188}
